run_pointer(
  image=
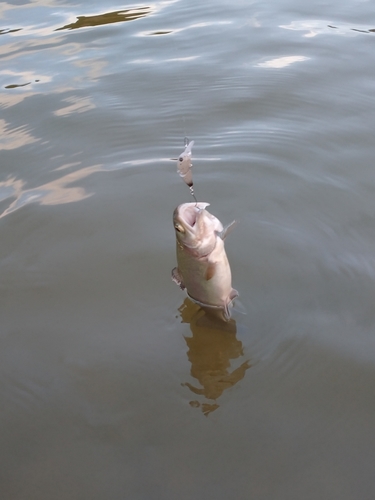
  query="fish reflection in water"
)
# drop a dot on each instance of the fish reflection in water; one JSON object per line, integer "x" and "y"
{"x": 211, "y": 348}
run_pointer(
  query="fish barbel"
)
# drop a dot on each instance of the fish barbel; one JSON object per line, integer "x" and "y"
{"x": 203, "y": 267}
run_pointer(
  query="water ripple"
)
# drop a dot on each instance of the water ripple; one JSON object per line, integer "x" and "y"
{"x": 180, "y": 30}
{"x": 322, "y": 27}
{"x": 12, "y": 138}
{"x": 75, "y": 105}
{"x": 282, "y": 62}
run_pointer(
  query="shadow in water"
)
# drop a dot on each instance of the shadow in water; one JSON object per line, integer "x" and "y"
{"x": 211, "y": 349}
{"x": 118, "y": 16}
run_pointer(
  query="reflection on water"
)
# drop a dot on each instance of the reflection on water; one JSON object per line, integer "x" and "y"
{"x": 179, "y": 30}
{"x": 161, "y": 33}
{"x": 282, "y": 62}
{"x": 14, "y": 85}
{"x": 75, "y": 105}
{"x": 52, "y": 193}
{"x": 318, "y": 27}
{"x": 5, "y": 32}
{"x": 118, "y": 16}
{"x": 26, "y": 77}
{"x": 210, "y": 350}
{"x": 13, "y": 138}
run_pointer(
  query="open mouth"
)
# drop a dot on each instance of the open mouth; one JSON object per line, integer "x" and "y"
{"x": 189, "y": 213}
{"x": 186, "y": 217}
{"x": 190, "y": 216}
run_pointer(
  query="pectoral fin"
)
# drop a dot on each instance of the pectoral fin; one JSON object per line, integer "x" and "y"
{"x": 177, "y": 278}
{"x": 224, "y": 233}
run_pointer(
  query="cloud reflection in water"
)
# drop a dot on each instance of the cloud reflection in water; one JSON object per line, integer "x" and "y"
{"x": 282, "y": 62}
{"x": 314, "y": 27}
{"x": 56, "y": 192}
{"x": 13, "y": 138}
{"x": 75, "y": 105}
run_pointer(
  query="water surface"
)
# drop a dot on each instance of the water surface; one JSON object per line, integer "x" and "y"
{"x": 113, "y": 384}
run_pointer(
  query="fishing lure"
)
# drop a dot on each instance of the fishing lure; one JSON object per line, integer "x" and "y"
{"x": 184, "y": 166}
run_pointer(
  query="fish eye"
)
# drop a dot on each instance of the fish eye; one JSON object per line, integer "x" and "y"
{"x": 180, "y": 159}
{"x": 179, "y": 228}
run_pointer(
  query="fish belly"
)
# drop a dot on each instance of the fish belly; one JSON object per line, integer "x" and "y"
{"x": 206, "y": 280}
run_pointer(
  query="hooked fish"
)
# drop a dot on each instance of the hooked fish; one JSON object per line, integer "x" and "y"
{"x": 184, "y": 165}
{"x": 203, "y": 267}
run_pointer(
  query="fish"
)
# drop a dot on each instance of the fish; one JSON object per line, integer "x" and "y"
{"x": 202, "y": 264}
{"x": 184, "y": 166}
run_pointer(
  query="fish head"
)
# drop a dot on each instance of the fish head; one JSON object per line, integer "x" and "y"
{"x": 196, "y": 229}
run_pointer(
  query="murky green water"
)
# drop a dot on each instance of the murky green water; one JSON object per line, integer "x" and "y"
{"x": 113, "y": 384}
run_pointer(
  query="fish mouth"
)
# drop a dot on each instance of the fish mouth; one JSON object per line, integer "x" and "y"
{"x": 190, "y": 216}
{"x": 188, "y": 212}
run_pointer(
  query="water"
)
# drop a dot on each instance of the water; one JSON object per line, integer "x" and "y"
{"x": 113, "y": 384}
